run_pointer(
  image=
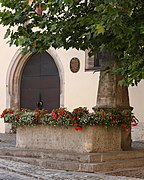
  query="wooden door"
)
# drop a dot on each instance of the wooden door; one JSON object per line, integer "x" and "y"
{"x": 40, "y": 82}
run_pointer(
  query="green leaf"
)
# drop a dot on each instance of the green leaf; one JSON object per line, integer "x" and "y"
{"x": 96, "y": 25}
{"x": 7, "y": 33}
{"x": 142, "y": 29}
{"x": 100, "y": 29}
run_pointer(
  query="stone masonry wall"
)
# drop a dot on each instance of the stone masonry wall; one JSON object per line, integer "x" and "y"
{"x": 138, "y": 132}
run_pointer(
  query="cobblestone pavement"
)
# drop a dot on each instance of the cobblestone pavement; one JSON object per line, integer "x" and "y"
{"x": 12, "y": 170}
{"x": 7, "y": 140}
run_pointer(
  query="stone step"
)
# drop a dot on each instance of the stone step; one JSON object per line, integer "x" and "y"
{"x": 75, "y": 157}
{"x": 78, "y": 166}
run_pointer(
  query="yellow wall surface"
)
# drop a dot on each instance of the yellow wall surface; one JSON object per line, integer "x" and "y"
{"x": 136, "y": 94}
{"x": 6, "y": 54}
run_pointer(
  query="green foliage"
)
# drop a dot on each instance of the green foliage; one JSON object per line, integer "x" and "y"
{"x": 114, "y": 25}
{"x": 78, "y": 118}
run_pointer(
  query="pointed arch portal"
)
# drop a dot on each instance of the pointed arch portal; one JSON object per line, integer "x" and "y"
{"x": 40, "y": 83}
{"x": 33, "y": 78}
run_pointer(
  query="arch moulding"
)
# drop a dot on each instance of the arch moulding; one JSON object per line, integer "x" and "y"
{"x": 14, "y": 74}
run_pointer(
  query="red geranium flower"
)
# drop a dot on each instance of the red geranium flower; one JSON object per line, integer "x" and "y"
{"x": 34, "y": 43}
{"x": 124, "y": 125}
{"x": 36, "y": 110}
{"x": 79, "y": 129}
{"x": 73, "y": 118}
{"x": 62, "y": 111}
{"x": 59, "y": 114}
{"x": 10, "y": 112}
{"x": 36, "y": 115}
{"x": 135, "y": 124}
{"x": 17, "y": 117}
{"x": 75, "y": 125}
{"x": 114, "y": 120}
{"x": 54, "y": 115}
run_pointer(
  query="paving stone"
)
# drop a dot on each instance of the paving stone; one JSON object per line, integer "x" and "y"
{"x": 8, "y": 175}
{"x": 13, "y": 170}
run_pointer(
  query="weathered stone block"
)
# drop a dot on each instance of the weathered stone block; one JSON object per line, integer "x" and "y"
{"x": 138, "y": 132}
{"x": 126, "y": 139}
{"x": 91, "y": 139}
{"x": 5, "y": 127}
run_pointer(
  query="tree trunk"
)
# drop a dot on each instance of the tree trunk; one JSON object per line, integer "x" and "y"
{"x": 111, "y": 94}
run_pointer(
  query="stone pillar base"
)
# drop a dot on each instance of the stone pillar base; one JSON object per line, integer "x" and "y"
{"x": 5, "y": 127}
{"x": 126, "y": 139}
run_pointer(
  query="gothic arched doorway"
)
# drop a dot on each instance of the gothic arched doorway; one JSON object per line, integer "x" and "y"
{"x": 40, "y": 81}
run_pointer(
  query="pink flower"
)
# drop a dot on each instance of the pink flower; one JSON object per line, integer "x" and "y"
{"x": 73, "y": 118}
{"x": 75, "y": 125}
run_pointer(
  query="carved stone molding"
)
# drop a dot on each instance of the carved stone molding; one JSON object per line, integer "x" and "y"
{"x": 14, "y": 74}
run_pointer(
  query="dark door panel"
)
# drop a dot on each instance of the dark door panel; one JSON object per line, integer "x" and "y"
{"x": 30, "y": 82}
{"x": 40, "y": 81}
{"x": 29, "y": 98}
{"x": 49, "y": 81}
{"x": 48, "y": 98}
{"x": 32, "y": 67}
{"x": 49, "y": 94}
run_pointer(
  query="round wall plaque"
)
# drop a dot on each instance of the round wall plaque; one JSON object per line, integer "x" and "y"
{"x": 74, "y": 65}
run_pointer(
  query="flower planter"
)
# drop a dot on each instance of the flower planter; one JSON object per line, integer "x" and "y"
{"x": 91, "y": 139}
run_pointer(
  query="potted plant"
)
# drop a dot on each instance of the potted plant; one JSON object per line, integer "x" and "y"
{"x": 79, "y": 130}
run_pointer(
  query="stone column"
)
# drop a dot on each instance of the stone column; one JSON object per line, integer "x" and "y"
{"x": 110, "y": 93}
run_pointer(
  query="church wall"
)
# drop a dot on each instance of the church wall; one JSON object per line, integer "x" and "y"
{"x": 79, "y": 88}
